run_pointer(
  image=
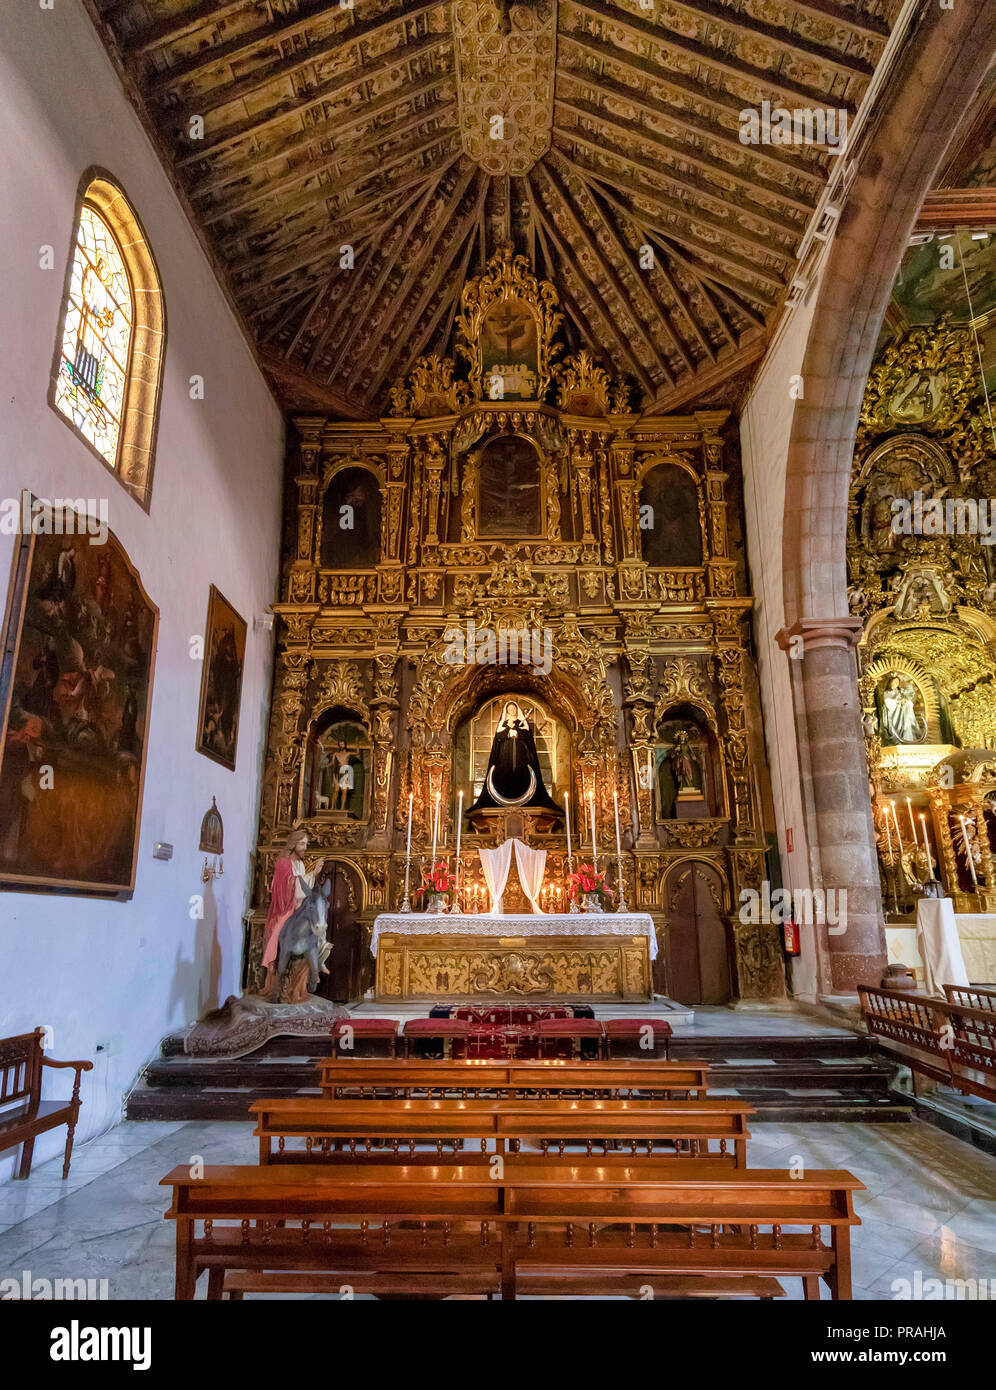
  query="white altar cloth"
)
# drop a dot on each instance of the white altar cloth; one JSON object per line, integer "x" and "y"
{"x": 940, "y": 948}
{"x": 518, "y": 924}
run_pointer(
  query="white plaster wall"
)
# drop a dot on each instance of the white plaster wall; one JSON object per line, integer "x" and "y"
{"x": 122, "y": 974}
{"x": 765, "y": 430}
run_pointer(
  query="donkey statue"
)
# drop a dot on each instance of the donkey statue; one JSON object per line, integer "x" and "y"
{"x": 303, "y": 949}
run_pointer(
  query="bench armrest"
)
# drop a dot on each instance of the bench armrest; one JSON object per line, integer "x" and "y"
{"x": 79, "y": 1066}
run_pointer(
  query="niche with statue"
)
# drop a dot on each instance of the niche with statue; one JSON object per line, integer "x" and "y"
{"x": 337, "y": 768}
{"x": 684, "y": 781}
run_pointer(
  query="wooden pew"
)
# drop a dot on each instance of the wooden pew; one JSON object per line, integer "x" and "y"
{"x": 951, "y": 1043}
{"x": 538, "y": 1223}
{"x": 710, "y": 1130}
{"x": 364, "y": 1078}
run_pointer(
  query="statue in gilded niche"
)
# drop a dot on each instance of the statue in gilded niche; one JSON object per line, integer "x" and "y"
{"x": 898, "y": 719}
{"x": 513, "y": 776}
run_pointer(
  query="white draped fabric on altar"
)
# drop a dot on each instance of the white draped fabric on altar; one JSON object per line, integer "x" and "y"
{"x": 530, "y": 864}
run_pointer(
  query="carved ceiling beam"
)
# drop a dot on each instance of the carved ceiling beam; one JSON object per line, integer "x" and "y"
{"x": 265, "y": 336}
{"x": 624, "y": 255}
{"x": 708, "y": 378}
{"x": 569, "y": 266}
{"x": 780, "y": 36}
{"x": 578, "y": 221}
{"x": 376, "y": 239}
{"x": 293, "y": 210}
{"x": 346, "y": 119}
{"x": 766, "y": 80}
{"x": 689, "y": 195}
{"x": 436, "y": 285}
{"x": 270, "y": 35}
{"x": 166, "y": 31}
{"x": 415, "y": 267}
{"x": 772, "y": 155}
{"x": 253, "y": 126}
{"x": 325, "y": 400}
{"x": 391, "y": 249}
{"x": 268, "y": 192}
{"x": 700, "y": 274}
{"x": 271, "y": 265}
{"x": 288, "y": 352}
{"x": 846, "y": 13}
{"x": 682, "y": 182}
{"x": 945, "y": 208}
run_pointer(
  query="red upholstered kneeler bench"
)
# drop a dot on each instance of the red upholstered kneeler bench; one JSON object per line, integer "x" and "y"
{"x": 433, "y": 1036}
{"x": 637, "y": 1037}
{"x": 353, "y": 1037}
{"x": 570, "y": 1037}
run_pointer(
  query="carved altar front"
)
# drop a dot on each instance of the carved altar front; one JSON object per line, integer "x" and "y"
{"x": 557, "y": 956}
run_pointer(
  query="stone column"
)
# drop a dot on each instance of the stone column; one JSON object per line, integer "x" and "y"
{"x": 844, "y": 831}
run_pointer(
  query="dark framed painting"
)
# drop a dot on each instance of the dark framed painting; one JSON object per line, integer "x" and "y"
{"x": 79, "y": 646}
{"x": 221, "y": 681}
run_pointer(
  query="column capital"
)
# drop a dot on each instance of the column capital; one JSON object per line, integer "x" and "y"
{"x": 822, "y": 632}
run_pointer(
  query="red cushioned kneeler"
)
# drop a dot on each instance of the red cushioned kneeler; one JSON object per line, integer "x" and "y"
{"x": 368, "y": 1030}
{"x": 555, "y": 1033}
{"x": 629, "y": 1032}
{"x": 425, "y": 1029}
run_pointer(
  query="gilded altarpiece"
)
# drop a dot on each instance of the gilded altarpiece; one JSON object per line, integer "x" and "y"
{"x": 633, "y": 648}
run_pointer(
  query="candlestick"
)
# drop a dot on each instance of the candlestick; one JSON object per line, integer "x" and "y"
{"x": 435, "y": 832}
{"x": 968, "y": 854}
{"x": 570, "y": 857}
{"x": 621, "y": 904}
{"x": 594, "y": 847}
{"x": 926, "y": 844}
{"x": 456, "y": 873}
{"x": 909, "y": 809}
{"x": 892, "y": 866}
{"x": 405, "y": 904}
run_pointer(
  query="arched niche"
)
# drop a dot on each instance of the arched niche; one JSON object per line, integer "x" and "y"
{"x": 475, "y": 733}
{"x": 337, "y": 767}
{"x": 509, "y": 488}
{"x": 351, "y": 520}
{"x": 670, "y": 529}
{"x": 687, "y": 766}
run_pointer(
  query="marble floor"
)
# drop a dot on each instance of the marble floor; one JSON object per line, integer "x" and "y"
{"x": 930, "y": 1204}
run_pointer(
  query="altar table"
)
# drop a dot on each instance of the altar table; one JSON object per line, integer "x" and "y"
{"x": 554, "y": 956}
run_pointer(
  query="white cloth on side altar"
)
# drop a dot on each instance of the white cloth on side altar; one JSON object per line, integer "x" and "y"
{"x": 940, "y": 947}
{"x": 530, "y": 864}
{"x": 496, "y": 864}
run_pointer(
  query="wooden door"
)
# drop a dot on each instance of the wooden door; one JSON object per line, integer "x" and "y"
{"x": 342, "y": 983}
{"x": 697, "y": 943}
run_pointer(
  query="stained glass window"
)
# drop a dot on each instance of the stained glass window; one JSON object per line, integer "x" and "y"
{"x": 96, "y": 338}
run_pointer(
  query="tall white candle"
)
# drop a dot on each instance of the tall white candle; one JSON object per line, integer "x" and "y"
{"x": 895, "y": 821}
{"x": 594, "y": 847}
{"x": 567, "y": 813}
{"x": 888, "y": 834}
{"x": 926, "y": 843}
{"x": 456, "y": 876}
{"x": 408, "y": 847}
{"x": 909, "y": 809}
{"x": 435, "y": 832}
{"x": 968, "y": 852}
{"x": 615, "y": 799}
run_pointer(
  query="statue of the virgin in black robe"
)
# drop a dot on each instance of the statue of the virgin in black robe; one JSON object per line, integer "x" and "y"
{"x": 513, "y": 778}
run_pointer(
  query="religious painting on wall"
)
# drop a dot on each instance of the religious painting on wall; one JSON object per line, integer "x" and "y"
{"x": 351, "y": 521}
{"x": 510, "y": 352}
{"x": 340, "y": 771}
{"x": 681, "y": 760}
{"x": 75, "y": 691}
{"x": 221, "y": 682}
{"x": 670, "y": 531}
{"x": 509, "y": 488}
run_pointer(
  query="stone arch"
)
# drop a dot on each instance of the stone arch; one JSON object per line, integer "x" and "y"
{"x": 938, "y": 74}
{"x": 134, "y": 461}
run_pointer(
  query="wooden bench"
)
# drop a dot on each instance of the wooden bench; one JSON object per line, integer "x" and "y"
{"x": 971, "y": 996}
{"x": 540, "y": 1223}
{"x": 950, "y": 1043}
{"x": 21, "y": 1061}
{"x": 362, "y": 1078}
{"x": 237, "y": 1283}
{"x": 707, "y": 1130}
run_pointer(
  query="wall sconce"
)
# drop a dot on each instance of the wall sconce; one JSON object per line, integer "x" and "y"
{"x": 212, "y": 842}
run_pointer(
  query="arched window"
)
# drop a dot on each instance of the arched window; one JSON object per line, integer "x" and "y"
{"x": 109, "y": 355}
{"x": 670, "y": 532}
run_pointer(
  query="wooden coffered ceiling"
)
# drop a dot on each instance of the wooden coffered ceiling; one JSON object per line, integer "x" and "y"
{"x": 294, "y": 128}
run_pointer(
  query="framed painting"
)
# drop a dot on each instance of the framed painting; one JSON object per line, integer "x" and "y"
{"x": 79, "y": 646}
{"x": 221, "y": 681}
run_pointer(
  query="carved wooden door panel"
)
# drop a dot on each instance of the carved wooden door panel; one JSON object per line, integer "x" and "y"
{"x": 342, "y": 983}
{"x": 698, "y": 955}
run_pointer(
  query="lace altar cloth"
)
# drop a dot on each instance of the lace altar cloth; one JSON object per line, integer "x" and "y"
{"x": 519, "y": 924}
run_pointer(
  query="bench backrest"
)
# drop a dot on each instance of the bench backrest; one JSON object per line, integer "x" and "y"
{"x": 950, "y": 1042}
{"x": 397, "y": 1078}
{"x": 21, "y": 1066}
{"x": 971, "y": 996}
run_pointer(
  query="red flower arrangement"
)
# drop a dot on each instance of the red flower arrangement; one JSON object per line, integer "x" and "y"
{"x": 587, "y": 880}
{"x": 437, "y": 880}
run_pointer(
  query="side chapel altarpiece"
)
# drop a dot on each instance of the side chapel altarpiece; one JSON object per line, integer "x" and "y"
{"x": 645, "y": 657}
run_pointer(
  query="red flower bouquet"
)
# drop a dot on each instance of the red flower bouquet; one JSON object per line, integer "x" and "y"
{"x": 437, "y": 880}
{"x": 589, "y": 882}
